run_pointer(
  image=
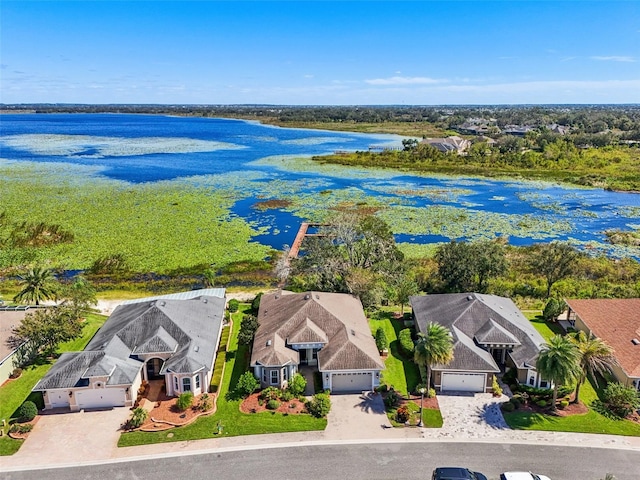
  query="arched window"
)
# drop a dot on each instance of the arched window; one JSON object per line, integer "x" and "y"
{"x": 186, "y": 384}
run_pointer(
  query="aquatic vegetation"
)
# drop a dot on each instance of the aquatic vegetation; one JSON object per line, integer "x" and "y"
{"x": 88, "y": 146}
{"x": 271, "y": 204}
{"x": 300, "y": 164}
{"x": 418, "y": 250}
{"x": 412, "y": 189}
{"x": 315, "y": 140}
{"x": 455, "y": 223}
{"x": 158, "y": 227}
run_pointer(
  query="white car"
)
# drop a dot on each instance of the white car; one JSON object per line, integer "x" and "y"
{"x": 522, "y": 476}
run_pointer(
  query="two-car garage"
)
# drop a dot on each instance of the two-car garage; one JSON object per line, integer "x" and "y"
{"x": 351, "y": 382}
{"x": 100, "y": 398}
{"x": 463, "y": 382}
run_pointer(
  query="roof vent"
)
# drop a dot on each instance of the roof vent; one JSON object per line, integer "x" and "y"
{"x": 307, "y": 296}
{"x": 469, "y": 298}
{"x": 635, "y": 341}
{"x": 204, "y": 300}
{"x": 162, "y": 304}
{"x": 353, "y": 332}
{"x": 268, "y": 343}
{"x": 317, "y": 297}
{"x": 197, "y": 349}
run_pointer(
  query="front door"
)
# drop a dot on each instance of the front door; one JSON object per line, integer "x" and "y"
{"x": 154, "y": 365}
{"x": 303, "y": 356}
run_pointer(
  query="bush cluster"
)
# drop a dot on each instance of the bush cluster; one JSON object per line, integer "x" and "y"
{"x": 406, "y": 342}
{"x": 138, "y": 416}
{"x": 233, "y": 305}
{"x": 27, "y": 411}
{"x": 319, "y": 405}
{"x": 402, "y": 414}
{"x": 247, "y": 384}
{"x": 391, "y": 399}
{"x": 21, "y": 428}
{"x": 185, "y": 400}
{"x": 273, "y": 404}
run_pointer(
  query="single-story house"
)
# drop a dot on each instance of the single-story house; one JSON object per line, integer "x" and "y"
{"x": 489, "y": 335}
{"x": 326, "y": 331}
{"x": 172, "y": 338}
{"x": 453, "y": 143}
{"x": 617, "y": 322}
{"x": 10, "y": 354}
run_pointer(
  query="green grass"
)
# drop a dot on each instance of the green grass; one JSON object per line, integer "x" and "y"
{"x": 234, "y": 422}
{"x": 546, "y": 329}
{"x": 399, "y": 372}
{"x": 591, "y": 422}
{"x": 431, "y": 417}
{"x": 14, "y": 393}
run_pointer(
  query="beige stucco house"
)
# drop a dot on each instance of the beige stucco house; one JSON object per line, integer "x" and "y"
{"x": 325, "y": 331}
{"x": 617, "y": 322}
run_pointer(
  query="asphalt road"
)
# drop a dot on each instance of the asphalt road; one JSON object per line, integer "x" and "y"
{"x": 404, "y": 461}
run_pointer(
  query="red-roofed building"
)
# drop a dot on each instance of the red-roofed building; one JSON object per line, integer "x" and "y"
{"x": 617, "y": 322}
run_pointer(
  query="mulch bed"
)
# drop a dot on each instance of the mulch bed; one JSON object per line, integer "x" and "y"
{"x": 251, "y": 404}
{"x": 166, "y": 415}
{"x": 24, "y": 436}
{"x": 431, "y": 403}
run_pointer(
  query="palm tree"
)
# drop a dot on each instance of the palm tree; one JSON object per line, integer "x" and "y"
{"x": 434, "y": 347}
{"x": 37, "y": 285}
{"x": 559, "y": 361}
{"x": 596, "y": 356}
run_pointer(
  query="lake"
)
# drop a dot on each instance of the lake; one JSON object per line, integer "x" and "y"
{"x": 255, "y": 163}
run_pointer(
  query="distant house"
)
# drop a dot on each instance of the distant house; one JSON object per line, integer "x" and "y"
{"x": 327, "y": 332}
{"x": 478, "y": 126}
{"x": 559, "y": 129}
{"x": 489, "y": 335}
{"x": 517, "y": 130}
{"x": 449, "y": 144}
{"x": 172, "y": 338}
{"x": 617, "y": 322}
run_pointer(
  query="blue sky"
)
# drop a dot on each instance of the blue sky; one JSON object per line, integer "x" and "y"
{"x": 320, "y": 53}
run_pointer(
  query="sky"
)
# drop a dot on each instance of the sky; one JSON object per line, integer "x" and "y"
{"x": 320, "y": 53}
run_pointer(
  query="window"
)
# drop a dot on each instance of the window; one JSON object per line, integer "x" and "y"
{"x": 274, "y": 377}
{"x": 198, "y": 381}
{"x": 544, "y": 384}
{"x": 176, "y": 387}
{"x": 532, "y": 380}
{"x": 264, "y": 375}
{"x": 186, "y": 384}
{"x": 285, "y": 374}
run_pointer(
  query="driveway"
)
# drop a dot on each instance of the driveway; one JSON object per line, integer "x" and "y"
{"x": 69, "y": 438}
{"x": 362, "y": 416}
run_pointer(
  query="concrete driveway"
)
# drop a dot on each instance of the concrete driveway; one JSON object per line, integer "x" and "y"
{"x": 70, "y": 438}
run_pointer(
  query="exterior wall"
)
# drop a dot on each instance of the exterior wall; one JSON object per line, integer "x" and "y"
{"x": 7, "y": 366}
{"x": 132, "y": 393}
{"x": 175, "y": 383}
{"x": 284, "y": 373}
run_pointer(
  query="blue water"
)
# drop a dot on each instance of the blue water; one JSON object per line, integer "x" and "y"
{"x": 130, "y": 148}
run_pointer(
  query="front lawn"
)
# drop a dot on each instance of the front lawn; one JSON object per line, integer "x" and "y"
{"x": 15, "y": 392}
{"x": 591, "y": 422}
{"x": 401, "y": 373}
{"x": 228, "y": 414}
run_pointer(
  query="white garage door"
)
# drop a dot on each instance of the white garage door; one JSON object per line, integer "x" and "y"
{"x": 350, "y": 382}
{"x": 463, "y": 382}
{"x": 100, "y": 398}
{"x": 58, "y": 399}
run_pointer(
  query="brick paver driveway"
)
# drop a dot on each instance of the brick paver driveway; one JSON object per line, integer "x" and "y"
{"x": 70, "y": 438}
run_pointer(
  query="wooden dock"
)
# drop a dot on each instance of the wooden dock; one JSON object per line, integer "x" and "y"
{"x": 302, "y": 233}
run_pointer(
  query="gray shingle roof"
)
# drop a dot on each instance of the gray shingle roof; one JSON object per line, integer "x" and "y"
{"x": 485, "y": 318}
{"x": 187, "y": 327}
{"x": 335, "y": 319}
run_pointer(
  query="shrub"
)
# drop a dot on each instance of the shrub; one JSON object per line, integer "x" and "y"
{"x": 406, "y": 342}
{"x": 247, "y": 384}
{"x": 319, "y": 405}
{"x": 431, "y": 393}
{"x": 248, "y": 327}
{"x": 16, "y": 373}
{"x": 381, "y": 340}
{"x": 517, "y": 400}
{"x": 205, "y": 402}
{"x": 497, "y": 389}
{"x": 541, "y": 403}
{"x": 391, "y": 399}
{"x": 620, "y": 399}
{"x": 382, "y": 388}
{"x": 273, "y": 404}
{"x": 287, "y": 396}
{"x": 233, "y": 305}
{"x": 138, "y": 416}
{"x": 553, "y": 309}
{"x": 507, "y": 407}
{"x": 21, "y": 428}
{"x": 402, "y": 414}
{"x": 185, "y": 400}
{"x": 270, "y": 393}
{"x": 255, "y": 304}
{"x": 564, "y": 404}
{"x": 297, "y": 385}
{"x": 27, "y": 411}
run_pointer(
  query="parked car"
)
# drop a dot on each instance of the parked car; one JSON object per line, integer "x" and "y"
{"x": 522, "y": 476}
{"x": 456, "y": 473}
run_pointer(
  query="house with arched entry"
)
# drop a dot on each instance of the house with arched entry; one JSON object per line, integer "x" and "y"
{"x": 169, "y": 338}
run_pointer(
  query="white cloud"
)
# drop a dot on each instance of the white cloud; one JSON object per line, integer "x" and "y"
{"x": 614, "y": 58}
{"x": 307, "y": 76}
{"x": 404, "y": 81}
